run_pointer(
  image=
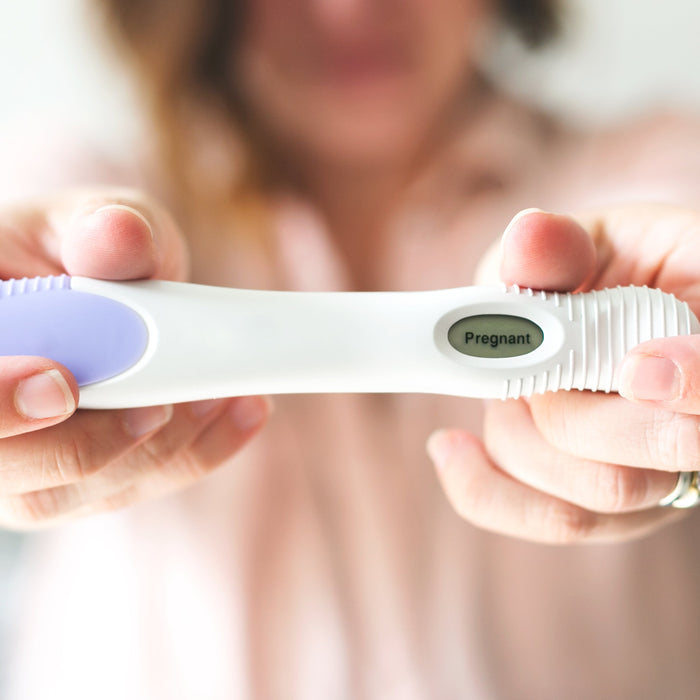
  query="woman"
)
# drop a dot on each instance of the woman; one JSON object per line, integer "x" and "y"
{"x": 354, "y": 145}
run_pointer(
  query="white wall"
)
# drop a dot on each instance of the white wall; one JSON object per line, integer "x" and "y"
{"x": 52, "y": 65}
{"x": 617, "y": 57}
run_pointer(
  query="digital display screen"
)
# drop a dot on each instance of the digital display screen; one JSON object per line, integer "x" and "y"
{"x": 495, "y": 335}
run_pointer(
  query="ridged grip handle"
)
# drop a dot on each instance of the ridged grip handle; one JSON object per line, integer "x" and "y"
{"x": 600, "y": 328}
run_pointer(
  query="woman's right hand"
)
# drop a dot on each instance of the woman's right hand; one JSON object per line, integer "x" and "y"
{"x": 56, "y": 462}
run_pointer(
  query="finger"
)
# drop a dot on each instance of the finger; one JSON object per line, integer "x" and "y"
{"x": 192, "y": 445}
{"x": 122, "y": 235}
{"x": 608, "y": 428}
{"x": 29, "y": 246}
{"x": 76, "y": 449}
{"x": 487, "y": 497}
{"x": 546, "y": 251}
{"x": 34, "y": 393}
{"x": 112, "y": 233}
{"x": 235, "y": 422}
{"x": 114, "y": 242}
{"x": 664, "y": 373}
{"x": 515, "y": 444}
{"x": 653, "y": 244}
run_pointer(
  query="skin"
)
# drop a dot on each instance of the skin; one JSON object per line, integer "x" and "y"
{"x": 603, "y": 461}
{"x": 356, "y": 67}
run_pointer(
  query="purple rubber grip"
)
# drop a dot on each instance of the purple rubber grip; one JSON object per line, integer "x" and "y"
{"x": 93, "y": 336}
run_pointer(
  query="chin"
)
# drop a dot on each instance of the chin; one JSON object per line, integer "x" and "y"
{"x": 366, "y": 139}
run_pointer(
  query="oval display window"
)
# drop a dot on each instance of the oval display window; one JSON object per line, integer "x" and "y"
{"x": 495, "y": 335}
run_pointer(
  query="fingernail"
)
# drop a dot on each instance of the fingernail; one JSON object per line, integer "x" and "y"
{"x": 248, "y": 412}
{"x": 521, "y": 214}
{"x": 45, "y": 395}
{"x": 650, "y": 378}
{"x": 440, "y": 447}
{"x": 108, "y": 208}
{"x": 141, "y": 421}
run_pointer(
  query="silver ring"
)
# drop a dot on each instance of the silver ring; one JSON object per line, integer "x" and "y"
{"x": 686, "y": 494}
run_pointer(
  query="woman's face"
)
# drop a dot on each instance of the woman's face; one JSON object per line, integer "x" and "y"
{"x": 356, "y": 81}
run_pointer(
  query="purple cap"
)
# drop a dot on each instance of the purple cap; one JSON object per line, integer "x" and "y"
{"x": 94, "y": 336}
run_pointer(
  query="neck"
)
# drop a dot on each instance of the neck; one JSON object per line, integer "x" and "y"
{"x": 358, "y": 199}
{"x": 357, "y": 202}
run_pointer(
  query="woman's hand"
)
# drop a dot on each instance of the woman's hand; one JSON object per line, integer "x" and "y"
{"x": 57, "y": 463}
{"x": 579, "y": 466}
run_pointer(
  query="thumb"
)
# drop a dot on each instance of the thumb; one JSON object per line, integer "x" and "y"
{"x": 121, "y": 234}
{"x": 664, "y": 372}
{"x": 546, "y": 251}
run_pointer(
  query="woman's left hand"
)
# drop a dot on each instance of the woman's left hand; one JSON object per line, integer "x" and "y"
{"x": 576, "y": 466}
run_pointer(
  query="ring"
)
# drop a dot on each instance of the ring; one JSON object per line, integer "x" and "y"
{"x": 686, "y": 494}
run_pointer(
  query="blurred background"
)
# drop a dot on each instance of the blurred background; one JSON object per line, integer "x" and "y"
{"x": 616, "y": 58}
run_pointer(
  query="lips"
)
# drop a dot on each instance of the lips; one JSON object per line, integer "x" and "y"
{"x": 360, "y": 65}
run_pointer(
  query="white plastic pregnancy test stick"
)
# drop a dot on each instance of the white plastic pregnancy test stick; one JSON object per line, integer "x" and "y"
{"x": 151, "y": 342}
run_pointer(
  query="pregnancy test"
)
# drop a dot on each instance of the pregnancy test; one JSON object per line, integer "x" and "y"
{"x": 151, "y": 342}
